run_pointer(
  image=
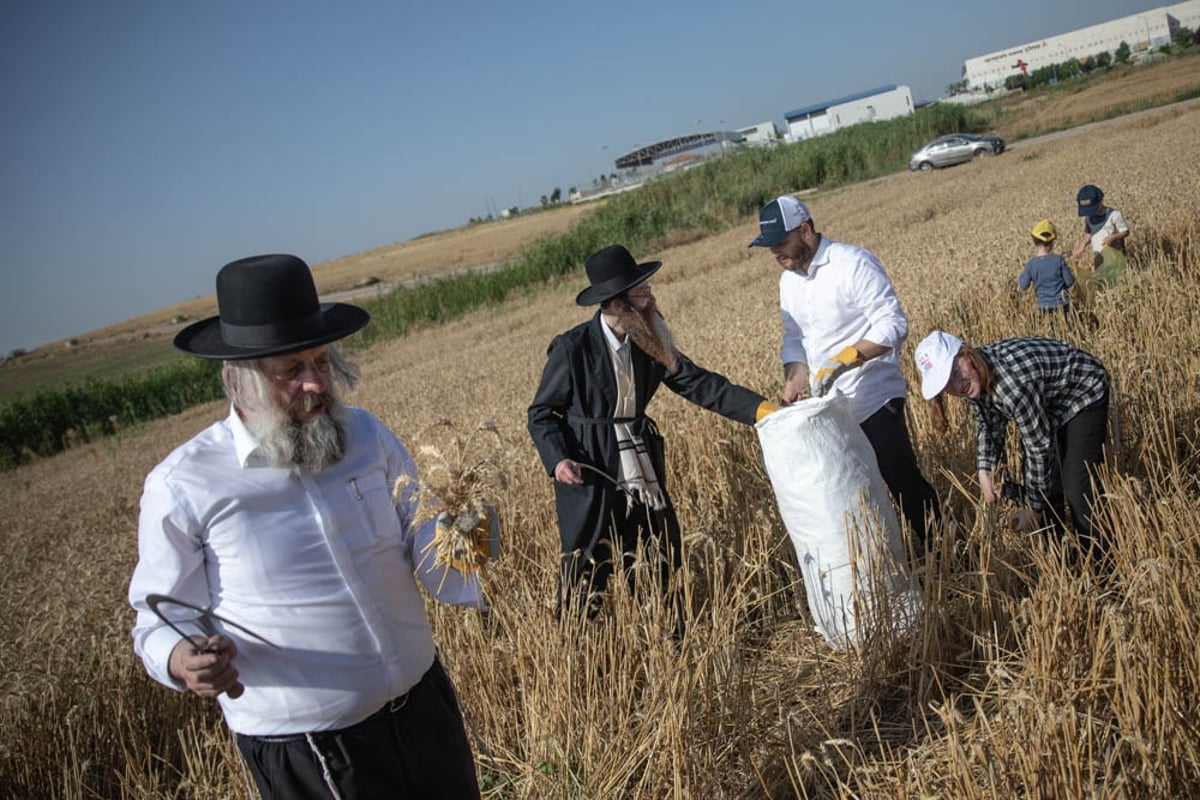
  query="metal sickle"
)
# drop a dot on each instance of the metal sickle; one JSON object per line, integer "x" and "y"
{"x": 205, "y": 620}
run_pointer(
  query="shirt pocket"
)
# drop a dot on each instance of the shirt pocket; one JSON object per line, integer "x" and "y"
{"x": 372, "y": 497}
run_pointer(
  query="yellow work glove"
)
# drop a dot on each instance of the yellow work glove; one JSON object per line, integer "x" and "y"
{"x": 764, "y": 408}
{"x": 467, "y": 541}
{"x": 832, "y": 369}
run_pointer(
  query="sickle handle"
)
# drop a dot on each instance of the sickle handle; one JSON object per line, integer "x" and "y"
{"x": 233, "y": 692}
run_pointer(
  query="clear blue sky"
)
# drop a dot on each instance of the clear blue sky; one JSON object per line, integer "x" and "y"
{"x": 147, "y": 143}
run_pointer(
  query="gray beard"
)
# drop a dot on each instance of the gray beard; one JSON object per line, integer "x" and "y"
{"x": 308, "y": 447}
{"x": 650, "y": 332}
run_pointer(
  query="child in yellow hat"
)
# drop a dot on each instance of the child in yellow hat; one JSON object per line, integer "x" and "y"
{"x": 1047, "y": 272}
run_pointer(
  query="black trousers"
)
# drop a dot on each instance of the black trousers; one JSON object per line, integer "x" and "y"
{"x": 583, "y": 579}
{"x": 887, "y": 432}
{"x": 413, "y": 747}
{"x": 1079, "y": 450}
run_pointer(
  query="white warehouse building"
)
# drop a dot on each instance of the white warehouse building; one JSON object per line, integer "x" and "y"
{"x": 885, "y": 102}
{"x": 1142, "y": 32}
{"x": 764, "y": 134}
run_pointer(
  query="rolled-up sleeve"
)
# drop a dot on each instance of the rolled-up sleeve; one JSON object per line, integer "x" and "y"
{"x": 793, "y": 339}
{"x": 875, "y": 297}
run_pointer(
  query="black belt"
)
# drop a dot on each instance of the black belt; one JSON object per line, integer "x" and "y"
{"x": 389, "y": 709}
{"x": 637, "y": 425}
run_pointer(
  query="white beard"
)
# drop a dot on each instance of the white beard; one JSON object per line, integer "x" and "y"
{"x": 307, "y": 447}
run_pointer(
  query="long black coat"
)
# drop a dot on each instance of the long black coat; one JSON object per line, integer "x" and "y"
{"x": 578, "y": 391}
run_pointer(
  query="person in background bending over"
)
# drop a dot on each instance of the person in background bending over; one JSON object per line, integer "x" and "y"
{"x": 1058, "y": 397}
{"x": 281, "y": 520}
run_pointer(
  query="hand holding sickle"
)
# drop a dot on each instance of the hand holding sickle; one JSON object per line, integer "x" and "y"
{"x": 203, "y": 663}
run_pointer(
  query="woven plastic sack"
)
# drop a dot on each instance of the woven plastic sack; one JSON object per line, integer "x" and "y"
{"x": 839, "y": 516}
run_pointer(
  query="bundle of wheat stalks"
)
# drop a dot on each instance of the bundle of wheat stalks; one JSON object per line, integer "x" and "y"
{"x": 458, "y": 475}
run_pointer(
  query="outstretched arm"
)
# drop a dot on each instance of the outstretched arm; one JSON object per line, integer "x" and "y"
{"x": 714, "y": 392}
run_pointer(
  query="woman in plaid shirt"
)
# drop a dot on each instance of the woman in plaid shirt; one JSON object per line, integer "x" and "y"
{"x": 1058, "y": 397}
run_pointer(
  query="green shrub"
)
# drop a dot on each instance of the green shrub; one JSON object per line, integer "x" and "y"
{"x": 48, "y": 421}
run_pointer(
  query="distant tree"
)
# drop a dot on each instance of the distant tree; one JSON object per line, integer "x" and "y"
{"x": 1104, "y": 60}
{"x": 1043, "y": 75}
{"x": 958, "y": 87}
{"x": 1184, "y": 36}
{"x": 570, "y": 191}
{"x": 556, "y": 196}
{"x": 545, "y": 201}
{"x": 1124, "y": 53}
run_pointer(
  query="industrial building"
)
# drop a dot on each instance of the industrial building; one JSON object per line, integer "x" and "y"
{"x": 697, "y": 144}
{"x": 1142, "y": 32}
{"x": 885, "y": 102}
{"x": 764, "y": 134}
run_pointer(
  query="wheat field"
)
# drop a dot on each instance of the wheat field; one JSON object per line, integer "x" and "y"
{"x": 1025, "y": 678}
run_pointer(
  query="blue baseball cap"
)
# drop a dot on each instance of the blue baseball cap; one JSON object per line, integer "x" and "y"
{"x": 778, "y": 218}
{"x": 1090, "y": 198}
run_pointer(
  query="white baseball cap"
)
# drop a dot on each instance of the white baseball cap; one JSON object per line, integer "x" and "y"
{"x": 935, "y": 359}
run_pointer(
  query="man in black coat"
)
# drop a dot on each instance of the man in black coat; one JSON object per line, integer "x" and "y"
{"x": 591, "y": 431}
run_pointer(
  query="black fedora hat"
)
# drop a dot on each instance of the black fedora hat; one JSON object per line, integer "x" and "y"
{"x": 268, "y": 306}
{"x": 612, "y": 271}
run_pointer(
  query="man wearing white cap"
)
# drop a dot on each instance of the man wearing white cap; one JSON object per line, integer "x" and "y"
{"x": 842, "y": 328}
{"x": 1058, "y": 397}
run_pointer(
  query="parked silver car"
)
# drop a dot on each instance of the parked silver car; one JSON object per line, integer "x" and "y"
{"x": 955, "y": 148}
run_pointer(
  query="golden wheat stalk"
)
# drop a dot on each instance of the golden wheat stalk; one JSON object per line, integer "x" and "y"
{"x": 458, "y": 475}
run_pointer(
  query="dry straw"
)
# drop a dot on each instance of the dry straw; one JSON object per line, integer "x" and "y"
{"x": 1025, "y": 677}
{"x": 460, "y": 479}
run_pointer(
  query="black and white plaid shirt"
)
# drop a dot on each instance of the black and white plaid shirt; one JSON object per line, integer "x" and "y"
{"x": 1039, "y": 384}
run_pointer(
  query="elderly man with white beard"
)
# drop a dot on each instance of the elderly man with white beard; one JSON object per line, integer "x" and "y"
{"x": 280, "y": 525}
{"x": 588, "y": 421}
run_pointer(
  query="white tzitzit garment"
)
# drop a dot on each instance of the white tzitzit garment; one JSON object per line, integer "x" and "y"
{"x": 838, "y": 513}
{"x": 636, "y": 476}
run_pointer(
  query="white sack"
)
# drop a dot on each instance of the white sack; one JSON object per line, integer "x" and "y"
{"x": 838, "y": 513}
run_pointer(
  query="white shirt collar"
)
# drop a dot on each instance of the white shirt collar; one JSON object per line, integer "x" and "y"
{"x": 616, "y": 344}
{"x": 245, "y": 446}
{"x": 820, "y": 257}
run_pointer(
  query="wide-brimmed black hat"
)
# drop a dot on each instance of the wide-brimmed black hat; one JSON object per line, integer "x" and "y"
{"x": 268, "y": 306}
{"x": 612, "y": 271}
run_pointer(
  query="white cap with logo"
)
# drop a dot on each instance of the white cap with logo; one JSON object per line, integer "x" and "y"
{"x": 935, "y": 360}
{"x": 778, "y": 218}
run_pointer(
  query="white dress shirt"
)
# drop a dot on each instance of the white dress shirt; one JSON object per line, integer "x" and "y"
{"x": 845, "y": 296}
{"x": 320, "y": 565}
